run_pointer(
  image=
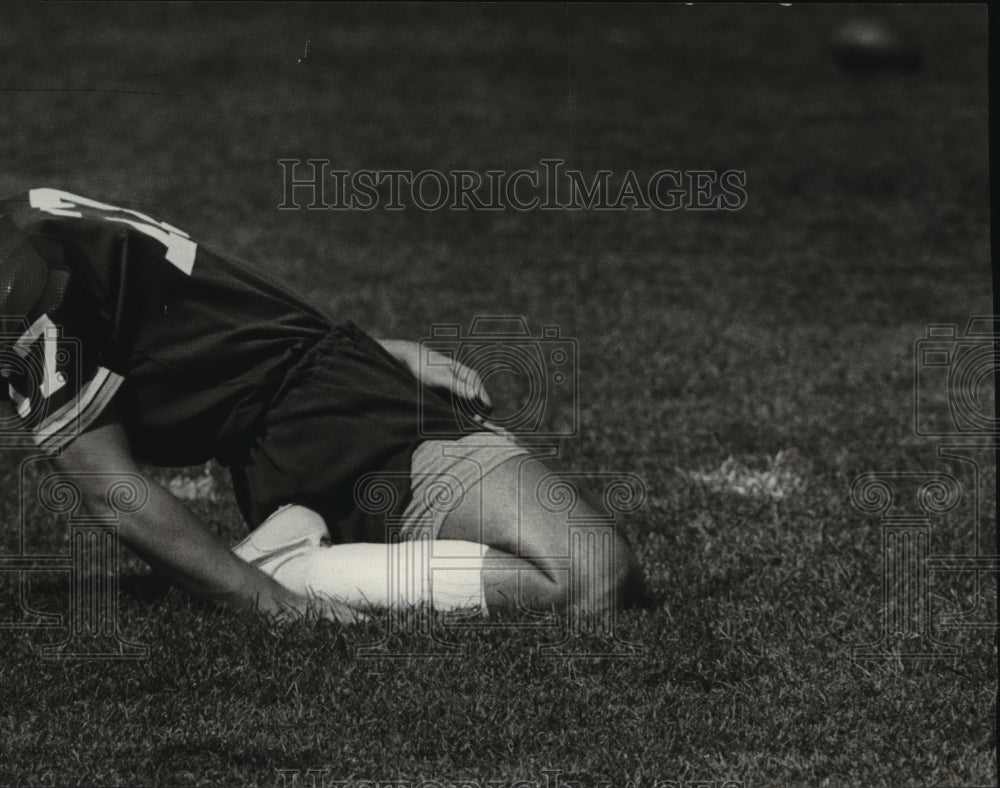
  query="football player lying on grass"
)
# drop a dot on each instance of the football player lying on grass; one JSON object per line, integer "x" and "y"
{"x": 185, "y": 355}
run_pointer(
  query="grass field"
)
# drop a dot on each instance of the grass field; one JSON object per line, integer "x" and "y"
{"x": 712, "y": 346}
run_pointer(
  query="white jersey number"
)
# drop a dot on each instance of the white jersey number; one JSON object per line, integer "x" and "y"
{"x": 45, "y": 331}
{"x": 181, "y": 250}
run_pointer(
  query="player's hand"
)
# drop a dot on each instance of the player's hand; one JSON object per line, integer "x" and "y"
{"x": 438, "y": 371}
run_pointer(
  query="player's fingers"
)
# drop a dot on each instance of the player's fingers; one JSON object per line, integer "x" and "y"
{"x": 439, "y": 374}
{"x": 482, "y": 395}
{"x": 470, "y": 385}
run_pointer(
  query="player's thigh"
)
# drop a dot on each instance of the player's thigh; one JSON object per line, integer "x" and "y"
{"x": 515, "y": 508}
{"x": 502, "y": 510}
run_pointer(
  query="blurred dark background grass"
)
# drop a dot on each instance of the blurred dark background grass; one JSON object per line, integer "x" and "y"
{"x": 788, "y": 325}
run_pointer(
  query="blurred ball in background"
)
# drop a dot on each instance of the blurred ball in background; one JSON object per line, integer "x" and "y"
{"x": 871, "y": 45}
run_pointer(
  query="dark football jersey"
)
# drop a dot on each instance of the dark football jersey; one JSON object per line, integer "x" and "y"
{"x": 191, "y": 344}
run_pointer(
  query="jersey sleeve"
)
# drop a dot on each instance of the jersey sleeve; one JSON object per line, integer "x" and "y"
{"x": 50, "y": 352}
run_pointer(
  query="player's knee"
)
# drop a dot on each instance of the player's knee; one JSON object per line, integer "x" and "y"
{"x": 624, "y": 569}
{"x": 601, "y": 576}
{"x": 630, "y": 584}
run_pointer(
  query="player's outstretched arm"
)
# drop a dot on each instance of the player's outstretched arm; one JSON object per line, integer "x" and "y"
{"x": 164, "y": 533}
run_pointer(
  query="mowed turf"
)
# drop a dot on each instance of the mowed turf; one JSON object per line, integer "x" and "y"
{"x": 712, "y": 345}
